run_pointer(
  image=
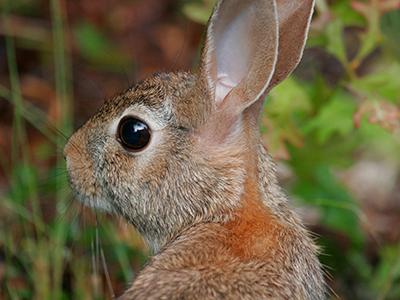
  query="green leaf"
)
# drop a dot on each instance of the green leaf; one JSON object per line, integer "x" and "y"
{"x": 379, "y": 141}
{"x": 285, "y": 100}
{"x": 336, "y": 45}
{"x": 334, "y": 117}
{"x": 319, "y": 91}
{"x": 340, "y": 211}
{"x": 390, "y": 26}
{"x": 288, "y": 96}
{"x": 385, "y": 82}
{"x": 369, "y": 41}
{"x": 346, "y": 14}
{"x": 199, "y": 11}
{"x": 387, "y": 275}
{"x": 336, "y": 152}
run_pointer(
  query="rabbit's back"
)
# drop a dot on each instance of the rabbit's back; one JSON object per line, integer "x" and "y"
{"x": 210, "y": 261}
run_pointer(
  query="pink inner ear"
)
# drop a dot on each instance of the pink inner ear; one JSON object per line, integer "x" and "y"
{"x": 223, "y": 87}
{"x": 233, "y": 46}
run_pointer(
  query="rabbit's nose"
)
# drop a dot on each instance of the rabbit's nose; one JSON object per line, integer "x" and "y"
{"x": 66, "y": 150}
{"x": 72, "y": 145}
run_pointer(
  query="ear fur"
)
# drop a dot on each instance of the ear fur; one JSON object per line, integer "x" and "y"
{"x": 250, "y": 46}
{"x": 294, "y": 19}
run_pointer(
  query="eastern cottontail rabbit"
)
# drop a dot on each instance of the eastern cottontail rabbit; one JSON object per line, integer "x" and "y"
{"x": 180, "y": 157}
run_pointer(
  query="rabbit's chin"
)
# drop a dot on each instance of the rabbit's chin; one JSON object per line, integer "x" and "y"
{"x": 96, "y": 203}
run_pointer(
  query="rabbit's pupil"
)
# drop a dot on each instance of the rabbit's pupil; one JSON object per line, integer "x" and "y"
{"x": 134, "y": 134}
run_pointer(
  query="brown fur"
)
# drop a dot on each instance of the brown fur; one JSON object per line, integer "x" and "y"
{"x": 204, "y": 192}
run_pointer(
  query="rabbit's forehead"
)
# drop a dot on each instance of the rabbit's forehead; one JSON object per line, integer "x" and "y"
{"x": 156, "y": 100}
{"x": 135, "y": 102}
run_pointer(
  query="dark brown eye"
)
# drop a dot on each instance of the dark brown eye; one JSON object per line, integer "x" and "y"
{"x": 133, "y": 134}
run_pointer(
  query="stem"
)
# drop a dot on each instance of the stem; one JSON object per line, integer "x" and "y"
{"x": 63, "y": 78}
{"x": 19, "y": 145}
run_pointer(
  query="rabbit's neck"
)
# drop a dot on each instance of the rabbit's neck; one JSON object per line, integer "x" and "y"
{"x": 230, "y": 196}
{"x": 271, "y": 192}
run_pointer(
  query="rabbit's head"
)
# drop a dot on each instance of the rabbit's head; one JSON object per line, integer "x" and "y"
{"x": 177, "y": 149}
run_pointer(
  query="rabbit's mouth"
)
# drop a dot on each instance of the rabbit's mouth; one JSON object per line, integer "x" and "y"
{"x": 95, "y": 202}
{"x": 84, "y": 187}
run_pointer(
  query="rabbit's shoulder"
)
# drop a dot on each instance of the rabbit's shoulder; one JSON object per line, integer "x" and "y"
{"x": 214, "y": 261}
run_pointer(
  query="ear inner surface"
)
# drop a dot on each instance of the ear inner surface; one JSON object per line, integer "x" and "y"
{"x": 233, "y": 45}
{"x": 238, "y": 60}
{"x": 245, "y": 47}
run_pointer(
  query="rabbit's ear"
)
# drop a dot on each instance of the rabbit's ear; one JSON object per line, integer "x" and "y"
{"x": 240, "y": 59}
{"x": 241, "y": 43}
{"x": 237, "y": 62}
{"x": 294, "y": 18}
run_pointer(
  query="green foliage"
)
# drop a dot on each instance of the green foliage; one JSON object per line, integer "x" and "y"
{"x": 334, "y": 40}
{"x": 198, "y": 11}
{"x": 280, "y": 114}
{"x": 334, "y": 117}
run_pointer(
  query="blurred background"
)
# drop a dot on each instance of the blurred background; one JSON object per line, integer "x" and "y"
{"x": 333, "y": 127}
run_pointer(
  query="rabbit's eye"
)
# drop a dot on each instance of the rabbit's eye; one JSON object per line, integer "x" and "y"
{"x": 133, "y": 134}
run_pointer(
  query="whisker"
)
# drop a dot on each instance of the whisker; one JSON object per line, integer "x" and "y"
{"x": 106, "y": 273}
{"x": 95, "y": 86}
{"x": 68, "y": 255}
{"x": 93, "y": 243}
{"x": 135, "y": 67}
{"x": 179, "y": 54}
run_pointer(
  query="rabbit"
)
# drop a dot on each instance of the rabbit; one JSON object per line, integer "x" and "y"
{"x": 180, "y": 157}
